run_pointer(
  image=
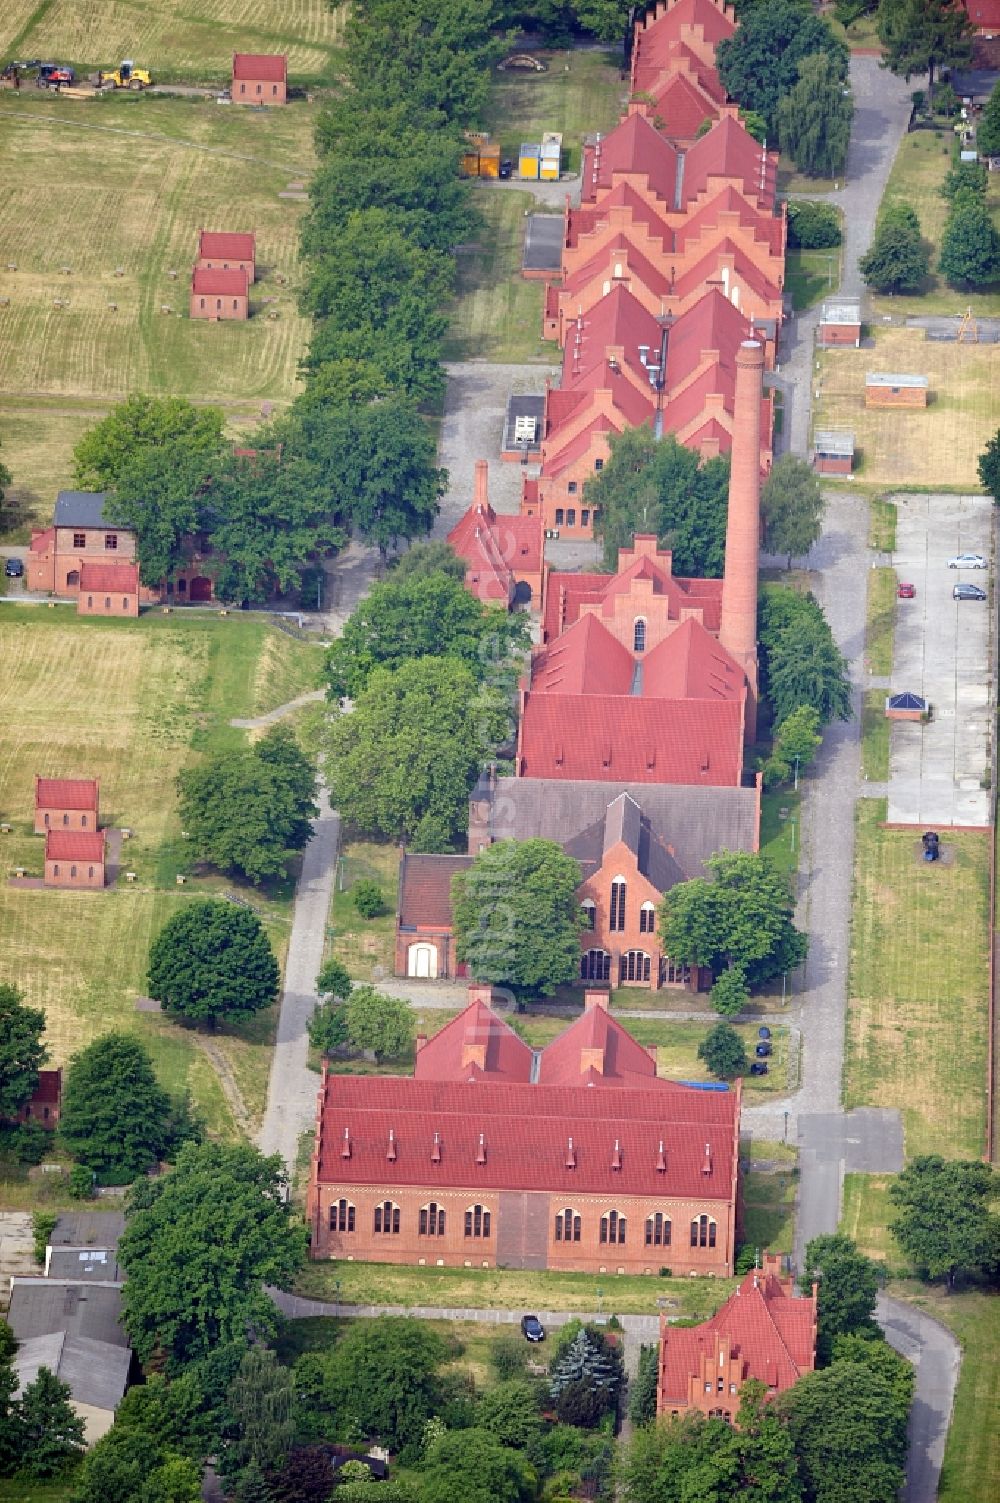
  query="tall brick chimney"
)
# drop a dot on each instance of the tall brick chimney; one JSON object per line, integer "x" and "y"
{"x": 480, "y": 495}
{"x": 738, "y": 627}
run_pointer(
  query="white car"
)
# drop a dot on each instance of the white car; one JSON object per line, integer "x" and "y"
{"x": 967, "y": 561}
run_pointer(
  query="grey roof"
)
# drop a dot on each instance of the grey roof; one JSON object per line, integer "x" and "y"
{"x": 842, "y": 310}
{"x": 624, "y": 821}
{"x": 88, "y": 1229}
{"x": 827, "y": 441}
{"x": 879, "y": 378}
{"x": 523, "y": 406}
{"x": 96, "y": 1371}
{"x": 689, "y": 824}
{"x": 45, "y": 1307}
{"x": 81, "y": 509}
{"x": 94, "y": 1264}
{"x": 543, "y": 243}
{"x": 975, "y": 83}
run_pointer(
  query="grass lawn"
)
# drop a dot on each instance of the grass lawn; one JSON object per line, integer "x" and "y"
{"x": 769, "y": 1208}
{"x": 192, "y": 40}
{"x": 14, "y": 1491}
{"x": 937, "y": 446}
{"x": 811, "y": 275}
{"x": 874, "y": 736}
{"x": 921, "y": 164}
{"x": 497, "y": 315}
{"x": 882, "y": 516}
{"x": 582, "y": 92}
{"x": 470, "y": 1342}
{"x": 131, "y": 702}
{"x": 917, "y": 985}
{"x": 880, "y": 620}
{"x": 779, "y": 828}
{"x": 366, "y": 946}
{"x": 510, "y": 1289}
{"x": 866, "y": 1217}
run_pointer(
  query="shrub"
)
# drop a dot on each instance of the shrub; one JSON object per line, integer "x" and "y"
{"x": 81, "y": 1182}
{"x": 367, "y": 898}
{"x": 812, "y": 225}
{"x": 43, "y": 1224}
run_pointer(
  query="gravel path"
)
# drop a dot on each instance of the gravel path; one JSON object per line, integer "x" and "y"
{"x": 259, "y": 721}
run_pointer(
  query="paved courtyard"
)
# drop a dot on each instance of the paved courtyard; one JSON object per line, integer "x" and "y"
{"x": 942, "y": 651}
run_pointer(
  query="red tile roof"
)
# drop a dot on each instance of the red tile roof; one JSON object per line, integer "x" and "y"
{"x": 691, "y": 664}
{"x": 767, "y": 227}
{"x": 651, "y": 74}
{"x": 713, "y": 21}
{"x": 684, "y": 106}
{"x": 74, "y": 845}
{"x": 49, "y": 1088}
{"x": 586, "y": 659}
{"x": 619, "y": 251}
{"x": 568, "y": 593}
{"x": 42, "y": 541}
{"x": 120, "y": 579}
{"x": 476, "y": 1033}
{"x": 764, "y": 1323}
{"x": 984, "y": 14}
{"x": 587, "y": 218}
{"x": 220, "y": 281}
{"x": 596, "y": 1050}
{"x": 260, "y": 67}
{"x": 564, "y": 451}
{"x": 66, "y": 793}
{"x": 729, "y": 151}
{"x": 425, "y": 889}
{"x": 633, "y": 148}
{"x": 499, "y": 548}
{"x": 525, "y": 1137}
{"x": 708, "y": 269}
{"x": 222, "y": 243}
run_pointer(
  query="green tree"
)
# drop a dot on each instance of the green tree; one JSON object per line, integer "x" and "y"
{"x": 965, "y": 177}
{"x": 871, "y": 1350}
{"x": 730, "y": 992}
{"x": 423, "y": 559}
{"x": 11, "y": 1438}
{"x": 333, "y": 980}
{"x": 327, "y": 1027}
{"x": 307, "y": 1476}
{"x": 249, "y": 811}
{"x": 22, "y": 1052}
{"x": 812, "y": 225}
{"x": 128, "y": 1466}
{"x": 181, "y": 1299}
{"x": 212, "y": 960}
{"x": 658, "y": 485}
{"x": 759, "y": 64}
{"x": 366, "y": 895}
{"x": 51, "y": 1430}
{"x": 768, "y": 1468}
{"x": 5, "y": 479}
{"x": 381, "y": 1381}
{"x": 509, "y": 1412}
{"x": 403, "y": 761}
{"x": 798, "y": 738}
{"x": 923, "y": 36}
{"x": 792, "y": 507}
{"x": 260, "y": 1407}
{"x": 421, "y": 615}
{"x": 848, "y": 1288}
{"x": 814, "y": 118}
{"x": 107, "y": 453}
{"x": 115, "y": 1115}
{"x": 588, "y": 1366}
{"x": 378, "y": 1023}
{"x": 177, "y": 1480}
{"x": 800, "y": 660}
{"x": 474, "y": 1466}
{"x": 680, "y": 1461}
{"x": 161, "y": 495}
{"x": 970, "y": 245}
{"x": 642, "y": 1391}
{"x": 723, "y": 1052}
{"x": 945, "y": 1225}
{"x": 988, "y": 126}
{"x": 848, "y": 1434}
{"x": 742, "y": 919}
{"x": 989, "y": 467}
{"x": 897, "y": 260}
{"x": 516, "y": 916}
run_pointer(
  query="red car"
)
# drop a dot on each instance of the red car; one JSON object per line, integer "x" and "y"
{"x": 906, "y": 591}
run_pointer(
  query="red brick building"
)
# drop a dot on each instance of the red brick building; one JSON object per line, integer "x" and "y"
{"x": 108, "y": 590}
{"x": 606, "y": 1169}
{"x": 66, "y": 804}
{"x": 764, "y": 1331}
{"x": 74, "y": 858}
{"x": 45, "y": 1102}
{"x": 221, "y": 250}
{"x": 425, "y": 942}
{"x": 219, "y": 294}
{"x": 502, "y": 553}
{"x": 260, "y": 78}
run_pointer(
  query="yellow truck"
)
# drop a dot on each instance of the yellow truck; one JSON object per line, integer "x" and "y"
{"x": 125, "y": 76}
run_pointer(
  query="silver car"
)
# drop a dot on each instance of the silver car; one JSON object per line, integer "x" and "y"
{"x": 967, "y": 561}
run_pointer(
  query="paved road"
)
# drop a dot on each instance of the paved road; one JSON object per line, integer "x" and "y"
{"x": 935, "y": 1354}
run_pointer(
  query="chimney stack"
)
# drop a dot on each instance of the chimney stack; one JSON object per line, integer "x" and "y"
{"x": 480, "y": 495}
{"x": 738, "y": 627}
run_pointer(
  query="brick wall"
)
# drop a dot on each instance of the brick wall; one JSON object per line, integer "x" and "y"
{"x": 74, "y": 873}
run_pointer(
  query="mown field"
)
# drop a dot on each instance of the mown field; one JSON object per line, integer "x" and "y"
{"x": 191, "y": 40}
{"x": 131, "y": 703}
{"x": 937, "y": 446}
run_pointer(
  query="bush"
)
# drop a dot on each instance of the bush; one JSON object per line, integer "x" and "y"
{"x": 25, "y": 1142}
{"x": 43, "y": 1224}
{"x": 963, "y": 177}
{"x": 508, "y": 1357}
{"x": 812, "y": 225}
{"x": 367, "y": 898}
{"x": 81, "y": 1182}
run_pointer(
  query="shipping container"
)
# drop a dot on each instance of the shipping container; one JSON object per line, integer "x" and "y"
{"x": 548, "y": 169}
{"x": 469, "y": 166}
{"x": 528, "y": 160}
{"x": 489, "y": 161}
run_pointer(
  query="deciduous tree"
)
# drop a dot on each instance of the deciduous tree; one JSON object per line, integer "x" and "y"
{"x": 801, "y": 662}
{"x": 128, "y": 1466}
{"x": 381, "y": 1381}
{"x": 812, "y": 225}
{"x": 115, "y": 1115}
{"x": 509, "y": 1412}
{"x": 815, "y": 116}
{"x": 970, "y": 245}
{"x": 989, "y": 467}
{"x": 107, "y": 453}
{"x": 848, "y": 1288}
{"x": 848, "y": 1435}
{"x": 51, "y": 1430}
{"x": 334, "y": 980}
{"x": 759, "y": 64}
{"x": 923, "y": 36}
{"x": 22, "y": 1052}
{"x": 376, "y": 1022}
{"x": 723, "y": 1051}
{"x": 517, "y": 918}
{"x": 742, "y": 919}
{"x": 945, "y": 1223}
{"x": 897, "y": 260}
{"x": 423, "y": 559}
{"x": 260, "y": 1408}
{"x": 212, "y": 960}
{"x": 792, "y": 507}
{"x": 474, "y": 1466}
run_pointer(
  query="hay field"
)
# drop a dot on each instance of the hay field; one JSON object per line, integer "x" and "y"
{"x": 936, "y": 447}
{"x": 179, "y": 39}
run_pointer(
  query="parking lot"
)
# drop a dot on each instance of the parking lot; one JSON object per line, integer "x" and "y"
{"x": 943, "y": 651}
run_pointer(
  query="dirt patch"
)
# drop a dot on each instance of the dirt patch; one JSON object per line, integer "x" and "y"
{"x": 227, "y": 1080}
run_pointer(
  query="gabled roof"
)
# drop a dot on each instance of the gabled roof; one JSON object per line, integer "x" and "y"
{"x": 119, "y": 578}
{"x": 766, "y": 227}
{"x": 425, "y": 889}
{"x": 729, "y": 150}
{"x": 74, "y": 1329}
{"x": 214, "y": 244}
{"x": 633, "y": 148}
{"x": 95, "y": 1371}
{"x": 633, "y": 262}
{"x": 66, "y": 793}
{"x": 477, "y": 1045}
{"x": 260, "y": 67}
{"x": 563, "y": 451}
{"x": 625, "y": 821}
{"x": 74, "y": 845}
{"x": 498, "y": 549}
{"x": 219, "y": 281}
{"x": 714, "y": 21}
{"x": 586, "y": 218}
{"x": 586, "y": 659}
{"x": 691, "y": 664}
{"x": 684, "y": 106}
{"x": 744, "y": 270}
{"x": 567, "y": 594}
{"x": 48, "y": 1091}
{"x": 81, "y": 509}
{"x": 42, "y": 539}
{"x": 596, "y": 1050}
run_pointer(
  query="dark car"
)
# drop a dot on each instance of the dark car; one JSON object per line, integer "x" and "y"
{"x": 968, "y": 592}
{"x": 532, "y": 1328}
{"x": 506, "y": 167}
{"x": 759, "y": 1067}
{"x": 763, "y": 1032}
{"x": 763, "y": 1050}
{"x": 14, "y": 568}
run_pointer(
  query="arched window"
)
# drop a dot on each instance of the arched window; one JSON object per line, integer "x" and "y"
{"x": 431, "y": 1220}
{"x": 658, "y": 1230}
{"x": 387, "y": 1219}
{"x": 617, "y": 918}
{"x": 595, "y": 966}
{"x": 83, "y": 821}
{"x": 672, "y": 974}
{"x": 203, "y": 302}
{"x": 124, "y": 602}
{"x": 90, "y": 602}
{"x": 46, "y": 821}
{"x": 647, "y": 918}
{"x": 55, "y": 870}
{"x": 639, "y": 635}
{"x": 72, "y": 871}
{"x": 65, "y": 819}
{"x": 90, "y": 871}
{"x": 703, "y": 1231}
{"x": 477, "y": 1221}
{"x": 341, "y": 1216}
{"x": 107, "y": 602}
{"x": 218, "y": 305}
{"x": 612, "y": 1227}
{"x": 589, "y": 912}
{"x": 567, "y": 1225}
{"x": 235, "y": 305}
{"x": 633, "y": 966}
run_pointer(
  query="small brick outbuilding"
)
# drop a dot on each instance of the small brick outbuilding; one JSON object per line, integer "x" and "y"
{"x": 260, "y": 78}
{"x": 66, "y": 804}
{"x": 45, "y": 1101}
{"x": 108, "y": 590}
{"x": 74, "y": 858}
{"x": 840, "y": 323}
{"x": 223, "y": 250}
{"x": 219, "y": 294}
{"x": 833, "y": 453}
{"x": 895, "y": 390}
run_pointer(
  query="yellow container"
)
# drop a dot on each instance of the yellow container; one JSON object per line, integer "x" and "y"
{"x": 527, "y": 161}
{"x": 489, "y": 161}
{"x": 549, "y": 169}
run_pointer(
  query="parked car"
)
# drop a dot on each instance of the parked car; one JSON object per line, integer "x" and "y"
{"x": 967, "y": 561}
{"x": 968, "y": 592}
{"x": 532, "y": 1328}
{"x": 759, "y": 1067}
{"x": 506, "y": 167}
{"x": 906, "y": 591}
{"x": 14, "y": 568}
{"x": 763, "y": 1049}
{"x": 763, "y": 1032}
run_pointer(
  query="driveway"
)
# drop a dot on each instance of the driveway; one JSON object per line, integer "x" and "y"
{"x": 935, "y": 1354}
{"x": 943, "y": 651}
